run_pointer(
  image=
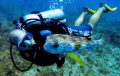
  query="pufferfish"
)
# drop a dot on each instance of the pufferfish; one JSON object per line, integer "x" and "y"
{"x": 63, "y": 43}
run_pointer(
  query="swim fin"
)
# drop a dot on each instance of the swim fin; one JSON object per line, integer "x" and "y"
{"x": 107, "y": 8}
{"x": 90, "y": 11}
{"x": 76, "y": 58}
{"x": 111, "y": 9}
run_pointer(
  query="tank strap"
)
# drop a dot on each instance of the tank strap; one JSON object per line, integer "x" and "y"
{"x": 41, "y": 17}
{"x": 38, "y": 13}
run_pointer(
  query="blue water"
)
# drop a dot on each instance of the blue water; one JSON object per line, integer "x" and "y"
{"x": 72, "y": 8}
{"x": 108, "y": 25}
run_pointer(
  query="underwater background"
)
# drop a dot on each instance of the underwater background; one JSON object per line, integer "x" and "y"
{"x": 104, "y": 61}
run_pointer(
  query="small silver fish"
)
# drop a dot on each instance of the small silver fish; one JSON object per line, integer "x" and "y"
{"x": 62, "y": 43}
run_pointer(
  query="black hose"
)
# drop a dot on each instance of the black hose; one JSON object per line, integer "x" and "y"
{"x": 14, "y": 61}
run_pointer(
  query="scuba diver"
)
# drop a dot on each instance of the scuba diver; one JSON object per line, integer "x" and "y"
{"x": 30, "y": 34}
